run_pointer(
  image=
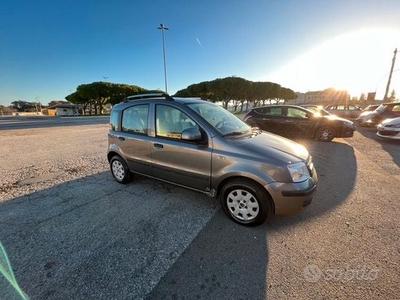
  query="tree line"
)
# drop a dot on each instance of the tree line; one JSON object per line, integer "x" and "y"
{"x": 239, "y": 90}
{"x": 94, "y": 96}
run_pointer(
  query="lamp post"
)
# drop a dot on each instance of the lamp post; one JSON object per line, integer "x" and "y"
{"x": 387, "y": 87}
{"x": 36, "y": 105}
{"x": 390, "y": 75}
{"x": 163, "y": 28}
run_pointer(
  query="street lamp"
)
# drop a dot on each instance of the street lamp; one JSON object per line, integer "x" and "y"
{"x": 36, "y": 105}
{"x": 387, "y": 87}
{"x": 162, "y": 27}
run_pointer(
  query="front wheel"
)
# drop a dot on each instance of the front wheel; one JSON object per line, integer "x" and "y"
{"x": 325, "y": 134}
{"x": 120, "y": 170}
{"x": 245, "y": 202}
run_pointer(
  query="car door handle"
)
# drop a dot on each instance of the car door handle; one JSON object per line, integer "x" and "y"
{"x": 121, "y": 138}
{"x": 158, "y": 146}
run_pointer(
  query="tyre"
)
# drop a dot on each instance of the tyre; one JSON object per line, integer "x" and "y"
{"x": 120, "y": 170}
{"x": 245, "y": 202}
{"x": 325, "y": 134}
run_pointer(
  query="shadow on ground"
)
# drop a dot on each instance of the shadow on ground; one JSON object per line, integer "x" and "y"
{"x": 95, "y": 239}
{"x": 392, "y": 147}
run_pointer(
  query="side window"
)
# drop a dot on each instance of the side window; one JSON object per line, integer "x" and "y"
{"x": 114, "y": 120}
{"x": 341, "y": 107}
{"x": 134, "y": 119}
{"x": 296, "y": 113}
{"x": 170, "y": 122}
{"x": 276, "y": 111}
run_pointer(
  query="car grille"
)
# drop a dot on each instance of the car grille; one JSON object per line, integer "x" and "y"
{"x": 388, "y": 133}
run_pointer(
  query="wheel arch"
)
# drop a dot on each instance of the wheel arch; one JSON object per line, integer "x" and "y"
{"x": 111, "y": 154}
{"x": 244, "y": 179}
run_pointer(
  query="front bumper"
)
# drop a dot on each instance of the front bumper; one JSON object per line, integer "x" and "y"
{"x": 388, "y": 133}
{"x": 346, "y": 131}
{"x": 291, "y": 198}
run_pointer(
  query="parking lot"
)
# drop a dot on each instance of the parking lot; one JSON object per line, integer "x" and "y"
{"x": 72, "y": 232}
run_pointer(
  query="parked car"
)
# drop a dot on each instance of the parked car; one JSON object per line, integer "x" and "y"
{"x": 317, "y": 109}
{"x": 365, "y": 115}
{"x": 347, "y": 111}
{"x": 199, "y": 145}
{"x": 389, "y": 129}
{"x": 295, "y": 121}
{"x": 383, "y": 112}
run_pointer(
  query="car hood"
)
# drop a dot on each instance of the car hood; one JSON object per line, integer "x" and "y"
{"x": 276, "y": 146}
{"x": 391, "y": 122}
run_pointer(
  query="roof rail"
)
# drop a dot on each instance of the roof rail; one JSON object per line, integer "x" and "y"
{"x": 148, "y": 95}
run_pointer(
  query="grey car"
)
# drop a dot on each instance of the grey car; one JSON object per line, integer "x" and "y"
{"x": 199, "y": 145}
{"x": 347, "y": 111}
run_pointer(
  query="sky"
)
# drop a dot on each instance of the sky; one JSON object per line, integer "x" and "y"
{"x": 48, "y": 48}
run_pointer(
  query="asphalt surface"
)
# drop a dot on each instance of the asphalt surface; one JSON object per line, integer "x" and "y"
{"x": 72, "y": 232}
{"x": 40, "y": 121}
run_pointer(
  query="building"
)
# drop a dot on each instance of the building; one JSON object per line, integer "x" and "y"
{"x": 325, "y": 97}
{"x": 63, "y": 110}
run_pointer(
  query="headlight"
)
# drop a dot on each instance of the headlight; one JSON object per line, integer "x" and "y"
{"x": 349, "y": 124}
{"x": 298, "y": 171}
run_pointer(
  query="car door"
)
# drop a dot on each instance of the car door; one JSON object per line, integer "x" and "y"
{"x": 133, "y": 141}
{"x": 271, "y": 119}
{"x": 186, "y": 163}
{"x": 299, "y": 122}
{"x": 353, "y": 111}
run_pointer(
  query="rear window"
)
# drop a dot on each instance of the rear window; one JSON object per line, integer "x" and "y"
{"x": 114, "y": 121}
{"x": 396, "y": 108}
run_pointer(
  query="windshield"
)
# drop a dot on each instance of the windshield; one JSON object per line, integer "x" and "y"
{"x": 223, "y": 121}
{"x": 319, "y": 111}
{"x": 370, "y": 108}
{"x": 380, "y": 108}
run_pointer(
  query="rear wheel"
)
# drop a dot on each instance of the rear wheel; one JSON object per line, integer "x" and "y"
{"x": 120, "y": 170}
{"x": 325, "y": 134}
{"x": 245, "y": 202}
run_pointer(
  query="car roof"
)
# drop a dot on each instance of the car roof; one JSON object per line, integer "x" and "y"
{"x": 146, "y": 98}
{"x": 279, "y": 105}
{"x": 391, "y": 103}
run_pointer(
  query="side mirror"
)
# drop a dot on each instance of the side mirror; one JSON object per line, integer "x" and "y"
{"x": 191, "y": 134}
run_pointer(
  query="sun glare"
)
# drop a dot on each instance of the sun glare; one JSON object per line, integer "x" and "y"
{"x": 358, "y": 62}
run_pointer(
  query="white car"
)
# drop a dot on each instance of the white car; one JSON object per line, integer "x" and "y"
{"x": 389, "y": 129}
{"x": 365, "y": 115}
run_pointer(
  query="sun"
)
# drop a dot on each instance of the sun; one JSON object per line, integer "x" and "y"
{"x": 356, "y": 61}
